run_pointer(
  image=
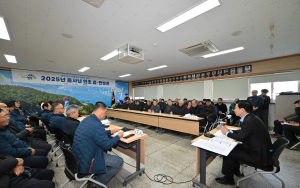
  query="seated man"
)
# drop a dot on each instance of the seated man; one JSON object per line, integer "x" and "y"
{"x": 71, "y": 123}
{"x": 222, "y": 108}
{"x": 182, "y": 109}
{"x": 90, "y": 141}
{"x": 278, "y": 128}
{"x": 138, "y": 106}
{"x": 142, "y": 103}
{"x": 58, "y": 117}
{"x": 210, "y": 111}
{"x": 13, "y": 174}
{"x": 155, "y": 107}
{"x": 290, "y": 132}
{"x": 147, "y": 106}
{"x": 118, "y": 105}
{"x": 255, "y": 147}
{"x": 196, "y": 110}
{"x": 125, "y": 104}
{"x": 231, "y": 112}
{"x": 176, "y": 103}
{"x": 10, "y": 145}
{"x": 131, "y": 105}
{"x": 170, "y": 108}
{"x": 38, "y": 132}
{"x": 19, "y": 112}
{"x": 46, "y": 108}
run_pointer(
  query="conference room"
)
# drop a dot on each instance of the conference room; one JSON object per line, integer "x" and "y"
{"x": 170, "y": 93}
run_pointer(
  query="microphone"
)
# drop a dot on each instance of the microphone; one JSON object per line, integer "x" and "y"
{"x": 227, "y": 117}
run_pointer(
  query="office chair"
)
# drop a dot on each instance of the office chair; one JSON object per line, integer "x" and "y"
{"x": 59, "y": 135}
{"x": 278, "y": 146}
{"x": 298, "y": 137}
{"x": 71, "y": 168}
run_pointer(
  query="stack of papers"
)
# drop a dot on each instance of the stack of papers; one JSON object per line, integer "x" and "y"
{"x": 216, "y": 146}
{"x": 190, "y": 116}
{"x": 124, "y": 134}
{"x": 105, "y": 122}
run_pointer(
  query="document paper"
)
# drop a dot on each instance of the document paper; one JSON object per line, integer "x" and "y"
{"x": 218, "y": 145}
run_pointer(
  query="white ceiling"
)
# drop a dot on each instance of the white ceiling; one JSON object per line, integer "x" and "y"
{"x": 35, "y": 29}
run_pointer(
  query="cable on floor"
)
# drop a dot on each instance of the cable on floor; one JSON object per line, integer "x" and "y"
{"x": 160, "y": 178}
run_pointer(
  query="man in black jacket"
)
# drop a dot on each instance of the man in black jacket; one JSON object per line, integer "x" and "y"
{"x": 125, "y": 104}
{"x": 13, "y": 174}
{"x": 170, "y": 108}
{"x": 210, "y": 111}
{"x": 265, "y": 107}
{"x": 138, "y": 106}
{"x": 181, "y": 109}
{"x": 222, "y": 108}
{"x": 142, "y": 103}
{"x": 118, "y": 105}
{"x": 71, "y": 123}
{"x": 176, "y": 103}
{"x": 131, "y": 105}
{"x": 196, "y": 110}
{"x": 255, "y": 147}
{"x": 147, "y": 106}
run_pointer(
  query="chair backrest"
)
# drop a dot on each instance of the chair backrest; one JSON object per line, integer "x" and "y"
{"x": 72, "y": 165}
{"x": 70, "y": 138}
{"x": 59, "y": 134}
{"x": 278, "y": 147}
{"x": 217, "y": 113}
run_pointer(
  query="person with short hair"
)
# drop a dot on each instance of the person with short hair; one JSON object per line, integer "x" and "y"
{"x": 131, "y": 105}
{"x": 57, "y": 119}
{"x": 290, "y": 132}
{"x": 182, "y": 109}
{"x": 176, "y": 103}
{"x": 71, "y": 123}
{"x": 138, "y": 106}
{"x": 255, "y": 147}
{"x": 257, "y": 102}
{"x": 232, "y": 113}
{"x": 196, "y": 110}
{"x": 222, "y": 108}
{"x": 155, "y": 107}
{"x": 278, "y": 128}
{"x": 185, "y": 102}
{"x": 147, "y": 106}
{"x": 170, "y": 108}
{"x": 126, "y": 98}
{"x": 142, "y": 103}
{"x": 91, "y": 140}
{"x": 125, "y": 104}
{"x": 265, "y": 107}
{"x": 118, "y": 105}
{"x": 204, "y": 102}
{"x": 162, "y": 105}
{"x": 210, "y": 111}
{"x": 12, "y": 146}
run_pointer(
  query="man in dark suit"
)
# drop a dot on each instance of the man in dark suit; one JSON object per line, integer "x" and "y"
{"x": 138, "y": 106}
{"x": 71, "y": 123}
{"x": 256, "y": 143}
{"x": 131, "y": 105}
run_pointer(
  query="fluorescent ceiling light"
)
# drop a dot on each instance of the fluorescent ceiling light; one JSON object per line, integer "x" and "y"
{"x": 84, "y": 69}
{"x": 124, "y": 75}
{"x": 3, "y": 30}
{"x": 110, "y": 55}
{"x": 10, "y": 58}
{"x": 224, "y": 52}
{"x": 160, "y": 67}
{"x": 189, "y": 14}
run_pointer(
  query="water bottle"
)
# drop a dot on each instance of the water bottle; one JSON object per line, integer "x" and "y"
{"x": 152, "y": 111}
{"x": 171, "y": 113}
{"x": 159, "y": 111}
{"x": 128, "y": 108}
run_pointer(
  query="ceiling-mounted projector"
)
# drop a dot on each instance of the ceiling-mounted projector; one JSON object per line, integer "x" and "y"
{"x": 95, "y": 3}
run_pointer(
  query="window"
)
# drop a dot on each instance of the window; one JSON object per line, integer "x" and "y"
{"x": 278, "y": 87}
{"x": 260, "y": 86}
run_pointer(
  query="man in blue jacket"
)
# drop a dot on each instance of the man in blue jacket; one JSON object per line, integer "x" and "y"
{"x": 58, "y": 117}
{"x": 257, "y": 102}
{"x": 11, "y": 145}
{"x": 71, "y": 123}
{"x": 90, "y": 141}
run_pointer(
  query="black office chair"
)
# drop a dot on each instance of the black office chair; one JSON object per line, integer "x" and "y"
{"x": 70, "y": 138}
{"x": 278, "y": 146}
{"x": 71, "y": 168}
{"x": 59, "y": 137}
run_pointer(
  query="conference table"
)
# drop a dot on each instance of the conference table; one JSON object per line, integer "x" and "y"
{"x": 133, "y": 147}
{"x": 203, "y": 160}
{"x": 159, "y": 120}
